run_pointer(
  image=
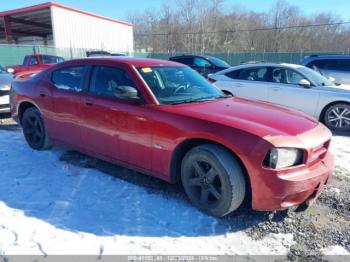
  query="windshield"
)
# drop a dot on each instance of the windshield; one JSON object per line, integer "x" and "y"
{"x": 218, "y": 62}
{"x": 46, "y": 59}
{"x": 2, "y": 70}
{"x": 315, "y": 77}
{"x": 176, "y": 85}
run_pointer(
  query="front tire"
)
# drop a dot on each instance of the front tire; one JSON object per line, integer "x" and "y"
{"x": 213, "y": 179}
{"x": 337, "y": 117}
{"x": 34, "y": 129}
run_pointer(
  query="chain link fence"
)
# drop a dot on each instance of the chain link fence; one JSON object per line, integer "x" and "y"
{"x": 14, "y": 54}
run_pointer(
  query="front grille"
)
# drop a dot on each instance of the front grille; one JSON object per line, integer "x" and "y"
{"x": 4, "y": 106}
{"x": 4, "y": 92}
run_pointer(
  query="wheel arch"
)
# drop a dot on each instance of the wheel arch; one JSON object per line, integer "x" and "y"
{"x": 325, "y": 108}
{"x": 23, "y": 106}
{"x": 186, "y": 145}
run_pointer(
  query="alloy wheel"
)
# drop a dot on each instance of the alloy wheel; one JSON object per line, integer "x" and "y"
{"x": 33, "y": 130}
{"x": 339, "y": 117}
{"x": 204, "y": 183}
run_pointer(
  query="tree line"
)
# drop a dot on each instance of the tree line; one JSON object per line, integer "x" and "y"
{"x": 202, "y": 26}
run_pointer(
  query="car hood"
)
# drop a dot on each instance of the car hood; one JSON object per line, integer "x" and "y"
{"x": 260, "y": 118}
{"x": 5, "y": 81}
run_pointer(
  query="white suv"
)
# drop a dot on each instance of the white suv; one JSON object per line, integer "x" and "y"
{"x": 291, "y": 85}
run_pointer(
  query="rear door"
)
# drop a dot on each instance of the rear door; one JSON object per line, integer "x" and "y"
{"x": 65, "y": 118}
{"x": 249, "y": 83}
{"x": 284, "y": 89}
{"x": 116, "y": 128}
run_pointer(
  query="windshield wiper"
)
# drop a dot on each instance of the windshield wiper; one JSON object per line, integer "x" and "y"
{"x": 191, "y": 100}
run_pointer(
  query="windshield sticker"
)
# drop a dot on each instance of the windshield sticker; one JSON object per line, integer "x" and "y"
{"x": 146, "y": 69}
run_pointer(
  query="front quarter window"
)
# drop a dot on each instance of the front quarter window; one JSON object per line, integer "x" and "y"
{"x": 175, "y": 85}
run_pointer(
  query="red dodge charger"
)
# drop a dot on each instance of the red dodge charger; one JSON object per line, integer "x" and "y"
{"x": 164, "y": 119}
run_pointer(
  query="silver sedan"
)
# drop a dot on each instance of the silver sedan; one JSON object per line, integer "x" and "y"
{"x": 5, "y": 85}
{"x": 291, "y": 85}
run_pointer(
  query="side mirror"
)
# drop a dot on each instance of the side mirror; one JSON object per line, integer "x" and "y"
{"x": 10, "y": 70}
{"x": 126, "y": 92}
{"x": 305, "y": 83}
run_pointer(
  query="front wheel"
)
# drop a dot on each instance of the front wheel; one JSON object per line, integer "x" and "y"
{"x": 337, "y": 117}
{"x": 34, "y": 129}
{"x": 213, "y": 179}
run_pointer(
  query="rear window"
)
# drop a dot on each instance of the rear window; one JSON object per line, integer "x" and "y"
{"x": 69, "y": 78}
{"x": 250, "y": 74}
{"x": 45, "y": 59}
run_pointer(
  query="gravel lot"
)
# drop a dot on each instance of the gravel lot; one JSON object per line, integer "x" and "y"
{"x": 324, "y": 229}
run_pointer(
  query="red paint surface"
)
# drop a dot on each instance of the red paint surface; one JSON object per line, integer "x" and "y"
{"x": 145, "y": 136}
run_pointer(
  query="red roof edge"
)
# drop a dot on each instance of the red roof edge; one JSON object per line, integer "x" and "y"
{"x": 50, "y": 4}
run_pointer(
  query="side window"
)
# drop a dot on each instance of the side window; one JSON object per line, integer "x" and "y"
{"x": 234, "y": 74}
{"x": 33, "y": 61}
{"x": 105, "y": 80}
{"x": 286, "y": 76}
{"x": 201, "y": 62}
{"x": 342, "y": 65}
{"x": 69, "y": 78}
{"x": 254, "y": 74}
{"x": 317, "y": 64}
{"x": 184, "y": 60}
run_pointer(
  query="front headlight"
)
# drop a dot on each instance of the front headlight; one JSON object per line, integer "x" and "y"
{"x": 278, "y": 158}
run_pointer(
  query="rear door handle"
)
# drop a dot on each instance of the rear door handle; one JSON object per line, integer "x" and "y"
{"x": 275, "y": 88}
{"x": 42, "y": 94}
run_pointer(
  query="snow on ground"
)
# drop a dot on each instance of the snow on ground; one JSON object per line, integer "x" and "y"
{"x": 340, "y": 147}
{"x": 48, "y": 206}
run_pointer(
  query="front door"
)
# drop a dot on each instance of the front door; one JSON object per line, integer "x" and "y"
{"x": 115, "y": 127}
{"x": 285, "y": 89}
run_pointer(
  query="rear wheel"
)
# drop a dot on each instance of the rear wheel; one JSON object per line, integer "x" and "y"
{"x": 337, "y": 117}
{"x": 34, "y": 129}
{"x": 213, "y": 179}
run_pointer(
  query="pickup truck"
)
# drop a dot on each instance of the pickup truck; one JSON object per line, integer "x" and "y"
{"x": 35, "y": 63}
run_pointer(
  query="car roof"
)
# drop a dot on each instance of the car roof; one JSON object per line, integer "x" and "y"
{"x": 202, "y": 56}
{"x": 310, "y": 58}
{"x": 329, "y": 56}
{"x": 137, "y": 62}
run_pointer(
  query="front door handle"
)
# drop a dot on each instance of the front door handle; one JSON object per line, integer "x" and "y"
{"x": 275, "y": 88}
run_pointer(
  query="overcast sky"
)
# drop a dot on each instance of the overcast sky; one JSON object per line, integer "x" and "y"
{"x": 120, "y": 8}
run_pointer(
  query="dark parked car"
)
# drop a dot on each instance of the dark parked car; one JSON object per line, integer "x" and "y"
{"x": 102, "y": 53}
{"x": 331, "y": 66}
{"x": 202, "y": 64}
{"x": 163, "y": 119}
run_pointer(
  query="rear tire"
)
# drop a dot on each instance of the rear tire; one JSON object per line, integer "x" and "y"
{"x": 337, "y": 117}
{"x": 213, "y": 179}
{"x": 34, "y": 129}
